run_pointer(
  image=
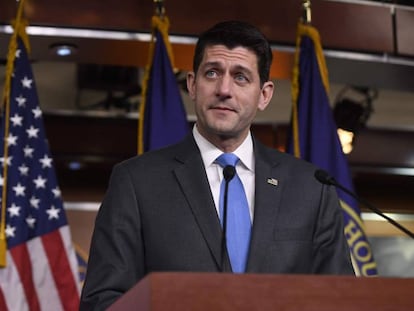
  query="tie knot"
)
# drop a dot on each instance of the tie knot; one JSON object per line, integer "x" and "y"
{"x": 227, "y": 159}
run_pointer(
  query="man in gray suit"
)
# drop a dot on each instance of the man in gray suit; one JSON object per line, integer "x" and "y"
{"x": 161, "y": 209}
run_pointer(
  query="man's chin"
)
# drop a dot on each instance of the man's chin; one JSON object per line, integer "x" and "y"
{"x": 225, "y": 133}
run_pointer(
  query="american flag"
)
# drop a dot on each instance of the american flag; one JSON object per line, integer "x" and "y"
{"x": 41, "y": 271}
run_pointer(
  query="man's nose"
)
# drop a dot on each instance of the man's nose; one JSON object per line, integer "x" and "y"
{"x": 224, "y": 86}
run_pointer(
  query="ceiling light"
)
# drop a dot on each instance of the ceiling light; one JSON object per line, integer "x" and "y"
{"x": 63, "y": 49}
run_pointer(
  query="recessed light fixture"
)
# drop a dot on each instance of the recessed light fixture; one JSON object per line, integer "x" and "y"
{"x": 63, "y": 49}
{"x": 75, "y": 165}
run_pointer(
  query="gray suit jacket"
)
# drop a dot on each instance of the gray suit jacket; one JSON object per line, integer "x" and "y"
{"x": 158, "y": 215}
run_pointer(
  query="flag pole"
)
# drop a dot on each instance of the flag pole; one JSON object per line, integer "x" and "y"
{"x": 305, "y": 28}
{"x": 304, "y": 20}
{"x": 159, "y": 13}
{"x": 6, "y": 107}
{"x": 161, "y": 23}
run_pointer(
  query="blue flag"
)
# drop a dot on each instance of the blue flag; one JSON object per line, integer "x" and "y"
{"x": 39, "y": 264}
{"x": 314, "y": 138}
{"x": 163, "y": 120}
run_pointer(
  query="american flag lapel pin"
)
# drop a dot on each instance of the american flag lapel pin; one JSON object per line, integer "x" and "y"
{"x": 272, "y": 181}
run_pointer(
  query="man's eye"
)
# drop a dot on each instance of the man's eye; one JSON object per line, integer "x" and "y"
{"x": 211, "y": 74}
{"x": 241, "y": 78}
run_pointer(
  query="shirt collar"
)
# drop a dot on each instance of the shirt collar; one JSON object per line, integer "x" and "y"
{"x": 209, "y": 152}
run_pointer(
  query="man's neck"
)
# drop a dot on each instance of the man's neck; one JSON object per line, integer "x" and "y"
{"x": 223, "y": 142}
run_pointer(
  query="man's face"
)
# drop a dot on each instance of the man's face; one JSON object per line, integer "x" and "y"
{"x": 226, "y": 92}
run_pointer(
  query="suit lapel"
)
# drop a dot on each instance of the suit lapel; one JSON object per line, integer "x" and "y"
{"x": 194, "y": 184}
{"x": 193, "y": 181}
{"x": 267, "y": 198}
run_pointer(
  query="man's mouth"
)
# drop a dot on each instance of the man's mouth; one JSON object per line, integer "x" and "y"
{"x": 223, "y": 108}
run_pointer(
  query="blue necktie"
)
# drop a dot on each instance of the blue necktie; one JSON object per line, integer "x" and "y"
{"x": 238, "y": 217}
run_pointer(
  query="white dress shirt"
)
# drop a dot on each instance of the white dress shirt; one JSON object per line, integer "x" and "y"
{"x": 244, "y": 168}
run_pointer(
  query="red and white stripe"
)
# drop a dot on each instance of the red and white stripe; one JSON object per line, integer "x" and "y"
{"x": 41, "y": 275}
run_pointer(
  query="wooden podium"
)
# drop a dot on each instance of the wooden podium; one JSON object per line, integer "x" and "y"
{"x": 251, "y": 292}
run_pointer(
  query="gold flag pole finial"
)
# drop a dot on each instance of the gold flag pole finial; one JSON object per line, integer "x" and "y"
{"x": 159, "y": 8}
{"x": 307, "y": 16}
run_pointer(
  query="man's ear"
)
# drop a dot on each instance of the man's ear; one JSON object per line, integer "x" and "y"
{"x": 266, "y": 96}
{"x": 191, "y": 84}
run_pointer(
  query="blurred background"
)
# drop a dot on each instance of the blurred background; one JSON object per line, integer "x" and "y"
{"x": 88, "y": 59}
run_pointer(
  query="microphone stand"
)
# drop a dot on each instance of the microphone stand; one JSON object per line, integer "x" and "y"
{"x": 376, "y": 210}
{"x": 323, "y": 177}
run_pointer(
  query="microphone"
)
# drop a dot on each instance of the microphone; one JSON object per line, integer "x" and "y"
{"x": 228, "y": 173}
{"x": 323, "y": 177}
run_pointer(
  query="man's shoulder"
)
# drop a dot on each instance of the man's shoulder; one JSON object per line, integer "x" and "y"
{"x": 163, "y": 156}
{"x": 277, "y": 157}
